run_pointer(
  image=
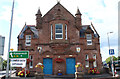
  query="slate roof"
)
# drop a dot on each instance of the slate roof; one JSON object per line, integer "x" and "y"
{"x": 84, "y": 28}
{"x": 32, "y": 28}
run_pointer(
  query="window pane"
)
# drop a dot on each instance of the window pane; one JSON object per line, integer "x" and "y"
{"x": 86, "y": 57}
{"x": 58, "y": 31}
{"x": 51, "y": 32}
{"x": 94, "y": 63}
{"x": 28, "y": 36}
{"x": 94, "y": 56}
{"x": 87, "y": 64}
{"x": 89, "y": 39}
{"x": 58, "y": 28}
{"x": 31, "y": 57}
{"x": 89, "y": 36}
{"x": 89, "y": 42}
{"x": 65, "y": 31}
{"x": 31, "y": 63}
{"x": 28, "y": 40}
{"x": 58, "y": 36}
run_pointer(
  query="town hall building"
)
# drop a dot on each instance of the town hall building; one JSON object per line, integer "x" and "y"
{"x": 60, "y": 41}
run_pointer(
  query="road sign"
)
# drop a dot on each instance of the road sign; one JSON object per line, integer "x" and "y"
{"x": 19, "y": 54}
{"x": 19, "y": 62}
{"x": 111, "y": 52}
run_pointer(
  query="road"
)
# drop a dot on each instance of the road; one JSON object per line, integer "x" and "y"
{"x": 3, "y": 73}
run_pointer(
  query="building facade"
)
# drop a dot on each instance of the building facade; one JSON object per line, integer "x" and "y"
{"x": 2, "y": 41}
{"x": 59, "y": 41}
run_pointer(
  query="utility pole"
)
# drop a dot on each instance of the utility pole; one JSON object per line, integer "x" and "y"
{"x": 7, "y": 70}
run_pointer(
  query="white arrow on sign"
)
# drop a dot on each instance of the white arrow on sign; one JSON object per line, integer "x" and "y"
{"x": 11, "y": 54}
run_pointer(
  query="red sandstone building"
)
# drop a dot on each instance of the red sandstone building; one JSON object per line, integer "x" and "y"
{"x": 59, "y": 41}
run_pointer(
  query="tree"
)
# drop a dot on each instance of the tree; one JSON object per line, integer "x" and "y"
{"x": 4, "y": 64}
{"x": 1, "y": 61}
{"x": 108, "y": 59}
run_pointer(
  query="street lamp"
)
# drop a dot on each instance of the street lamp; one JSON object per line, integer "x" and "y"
{"x": 108, "y": 39}
{"x": 7, "y": 70}
{"x": 109, "y": 51}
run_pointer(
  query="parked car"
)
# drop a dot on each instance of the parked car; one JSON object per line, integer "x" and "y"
{"x": 105, "y": 65}
{"x": 117, "y": 65}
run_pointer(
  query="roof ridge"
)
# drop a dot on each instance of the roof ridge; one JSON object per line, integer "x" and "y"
{"x": 56, "y": 5}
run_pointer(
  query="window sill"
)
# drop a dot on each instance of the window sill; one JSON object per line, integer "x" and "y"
{"x": 59, "y": 41}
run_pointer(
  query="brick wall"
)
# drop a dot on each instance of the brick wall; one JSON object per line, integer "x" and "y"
{"x": 60, "y": 47}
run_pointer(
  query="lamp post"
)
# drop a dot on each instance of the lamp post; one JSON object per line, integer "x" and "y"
{"x": 7, "y": 70}
{"x": 108, "y": 39}
{"x": 112, "y": 56}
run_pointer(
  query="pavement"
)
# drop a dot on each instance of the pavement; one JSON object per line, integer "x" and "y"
{"x": 100, "y": 76}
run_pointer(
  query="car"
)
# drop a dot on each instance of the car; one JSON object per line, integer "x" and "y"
{"x": 105, "y": 65}
{"x": 117, "y": 65}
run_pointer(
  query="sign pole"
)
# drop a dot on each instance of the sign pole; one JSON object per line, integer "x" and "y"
{"x": 112, "y": 66}
{"x": 10, "y": 69}
{"x": 25, "y": 72}
{"x": 25, "y": 69}
{"x": 10, "y": 65}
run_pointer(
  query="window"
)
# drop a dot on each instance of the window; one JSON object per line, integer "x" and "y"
{"x": 28, "y": 40}
{"x": 86, "y": 61}
{"x": 82, "y": 33}
{"x": 31, "y": 63}
{"x": 89, "y": 39}
{"x": 58, "y": 31}
{"x": 65, "y": 32}
{"x": 94, "y": 63}
{"x": 51, "y": 32}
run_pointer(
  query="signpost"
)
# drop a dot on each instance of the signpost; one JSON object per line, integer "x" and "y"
{"x": 18, "y": 63}
{"x": 18, "y": 59}
{"x": 18, "y": 54}
{"x": 111, "y": 52}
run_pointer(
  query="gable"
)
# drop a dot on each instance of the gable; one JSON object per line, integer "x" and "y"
{"x": 58, "y": 10}
{"x": 88, "y": 29}
{"x": 32, "y": 28}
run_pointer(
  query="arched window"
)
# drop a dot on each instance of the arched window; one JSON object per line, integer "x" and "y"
{"x": 86, "y": 61}
{"x": 94, "y": 63}
{"x": 31, "y": 63}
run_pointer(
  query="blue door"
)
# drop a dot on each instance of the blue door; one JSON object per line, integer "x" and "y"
{"x": 70, "y": 65}
{"x": 47, "y": 62}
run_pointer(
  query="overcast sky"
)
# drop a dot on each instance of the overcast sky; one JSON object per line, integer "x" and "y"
{"x": 102, "y": 13}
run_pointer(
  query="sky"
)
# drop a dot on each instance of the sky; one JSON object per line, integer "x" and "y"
{"x": 102, "y": 13}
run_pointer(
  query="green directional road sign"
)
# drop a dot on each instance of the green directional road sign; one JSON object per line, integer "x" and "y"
{"x": 19, "y": 54}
